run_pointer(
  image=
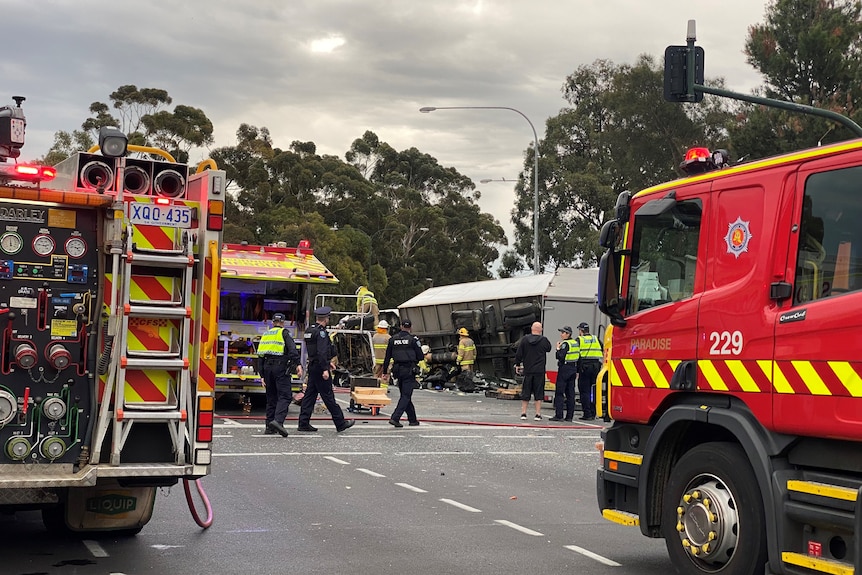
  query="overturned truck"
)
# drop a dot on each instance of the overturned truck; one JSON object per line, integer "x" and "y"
{"x": 497, "y": 313}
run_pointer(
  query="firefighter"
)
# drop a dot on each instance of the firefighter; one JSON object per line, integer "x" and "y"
{"x": 589, "y": 364}
{"x": 380, "y": 340}
{"x": 321, "y": 354}
{"x": 567, "y": 355}
{"x": 278, "y": 358}
{"x": 406, "y": 352}
{"x": 466, "y": 350}
{"x": 366, "y": 303}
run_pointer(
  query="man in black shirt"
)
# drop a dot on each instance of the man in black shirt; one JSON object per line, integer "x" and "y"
{"x": 405, "y": 350}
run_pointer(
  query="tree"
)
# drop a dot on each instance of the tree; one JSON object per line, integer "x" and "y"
{"x": 617, "y": 134}
{"x": 809, "y": 52}
{"x": 65, "y": 144}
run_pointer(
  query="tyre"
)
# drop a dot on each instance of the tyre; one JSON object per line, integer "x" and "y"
{"x": 516, "y": 309}
{"x": 521, "y": 320}
{"x": 712, "y": 516}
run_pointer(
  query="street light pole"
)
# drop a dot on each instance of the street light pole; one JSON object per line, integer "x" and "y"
{"x": 427, "y": 109}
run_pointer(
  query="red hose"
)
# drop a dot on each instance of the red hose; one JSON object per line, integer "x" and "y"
{"x": 205, "y": 523}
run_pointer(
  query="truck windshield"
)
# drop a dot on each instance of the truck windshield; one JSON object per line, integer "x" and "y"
{"x": 664, "y": 256}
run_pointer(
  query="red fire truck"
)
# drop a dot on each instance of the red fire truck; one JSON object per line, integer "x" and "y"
{"x": 109, "y": 282}
{"x": 735, "y": 372}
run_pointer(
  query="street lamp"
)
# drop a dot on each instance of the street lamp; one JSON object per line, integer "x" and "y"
{"x": 489, "y": 180}
{"x": 427, "y": 109}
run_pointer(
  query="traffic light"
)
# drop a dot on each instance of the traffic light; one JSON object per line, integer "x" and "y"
{"x": 676, "y": 88}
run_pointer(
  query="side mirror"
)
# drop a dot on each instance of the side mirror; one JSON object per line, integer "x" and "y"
{"x": 609, "y": 234}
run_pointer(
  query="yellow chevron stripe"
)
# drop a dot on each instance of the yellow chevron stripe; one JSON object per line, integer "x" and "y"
{"x": 779, "y": 382}
{"x": 810, "y": 378}
{"x": 848, "y": 377}
{"x": 614, "y": 376}
{"x": 656, "y": 375}
{"x": 632, "y": 372}
{"x": 713, "y": 379}
{"x": 622, "y": 457}
{"x": 743, "y": 378}
{"x": 136, "y": 292}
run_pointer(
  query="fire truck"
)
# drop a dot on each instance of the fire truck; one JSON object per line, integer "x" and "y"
{"x": 109, "y": 279}
{"x": 734, "y": 368}
{"x": 257, "y": 282}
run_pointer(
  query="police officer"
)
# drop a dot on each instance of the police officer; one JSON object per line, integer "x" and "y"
{"x": 404, "y": 349}
{"x": 567, "y": 370}
{"x": 320, "y": 355}
{"x": 589, "y": 364}
{"x": 278, "y": 358}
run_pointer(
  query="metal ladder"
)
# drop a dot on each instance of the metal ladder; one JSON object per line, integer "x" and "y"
{"x": 171, "y": 364}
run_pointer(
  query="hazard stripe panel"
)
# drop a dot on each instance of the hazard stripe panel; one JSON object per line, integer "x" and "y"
{"x": 823, "y": 378}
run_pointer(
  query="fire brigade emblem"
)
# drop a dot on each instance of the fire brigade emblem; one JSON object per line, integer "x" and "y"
{"x": 738, "y": 236}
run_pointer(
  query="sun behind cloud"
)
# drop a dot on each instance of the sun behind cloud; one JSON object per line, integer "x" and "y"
{"x": 328, "y": 44}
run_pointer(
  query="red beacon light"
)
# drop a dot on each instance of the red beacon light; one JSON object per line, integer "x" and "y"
{"x": 28, "y": 173}
{"x": 303, "y": 247}
{"x": 701, "y": 160}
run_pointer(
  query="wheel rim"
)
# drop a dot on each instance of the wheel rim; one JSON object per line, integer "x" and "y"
{"x": 708, "y": 522}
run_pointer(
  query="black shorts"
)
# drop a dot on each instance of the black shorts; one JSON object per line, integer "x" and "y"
{"x": 534, "y": 385}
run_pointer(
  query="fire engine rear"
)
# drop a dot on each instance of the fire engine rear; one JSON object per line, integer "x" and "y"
{"x": 108, "y": 305}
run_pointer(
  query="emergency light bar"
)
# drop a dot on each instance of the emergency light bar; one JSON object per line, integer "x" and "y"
{"x": 28, "y": 173}
{"x": 700, "y": 160}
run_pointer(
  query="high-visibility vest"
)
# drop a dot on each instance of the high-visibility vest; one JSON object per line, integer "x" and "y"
{"x": 272, "y": 342}
{"x": 589, "y": 347}
{"x": 572, "y": 352}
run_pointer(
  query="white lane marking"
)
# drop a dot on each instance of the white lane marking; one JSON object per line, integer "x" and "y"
{"x": 164, "y": 547}
{"x": 382, "y": 435}
{"x": 254, "y": 454}
{"x": 339, "y": 453}
{"x": 593, "y": 452}
{"x": 411, "y": 488}
{"x": 450, "y": 436}
{"x": 525, "y": 437}
{"x": 454, "y": 503}
{"x": 369, "y": 472}
{"x": 433, "y": 453}
{"x": 522, "y": 453}
{"x": 230, "y": 436}
{"x": 517, "y": 527}
{"x": 94, "y": 548}
{"x": 336, "y": 460}
{"x": 592, "y": 555}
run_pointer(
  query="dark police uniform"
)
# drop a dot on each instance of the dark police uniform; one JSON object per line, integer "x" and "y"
{"x": 320, "y": 353}
{"x": 567, "y": 372}
{"x": 589, "y": 365}
{"x": 278, "y": 358}
{"x": 406, "y": 351}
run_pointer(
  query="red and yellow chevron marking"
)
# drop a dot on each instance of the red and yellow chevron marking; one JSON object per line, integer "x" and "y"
{"x": 149, "y": 386}
{"x": 206, "y": 367}
{"x": 825, "y": 378}
{"x": 154, "y": 288}
{"x": 155, "y": 237}
{"x": 153, "y": 334}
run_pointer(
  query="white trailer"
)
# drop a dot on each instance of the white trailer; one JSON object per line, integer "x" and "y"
{"x": 498, "y": 312}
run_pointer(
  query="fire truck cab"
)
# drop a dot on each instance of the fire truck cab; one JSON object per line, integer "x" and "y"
{"x": 735, "y": 368}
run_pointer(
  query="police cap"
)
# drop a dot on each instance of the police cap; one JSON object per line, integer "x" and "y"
{"x": 566, "y": 329}
{"x": 323, "y": 311}
{"x": 406, "y": 323}
{"x": 277, "y": 317}
{"x": 584, "y": 326}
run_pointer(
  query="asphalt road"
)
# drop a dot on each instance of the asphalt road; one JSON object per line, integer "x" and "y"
{"x": 471, "y": 490}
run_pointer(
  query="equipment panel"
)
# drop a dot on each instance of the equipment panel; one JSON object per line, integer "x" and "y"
{"x": 48, "y": 290}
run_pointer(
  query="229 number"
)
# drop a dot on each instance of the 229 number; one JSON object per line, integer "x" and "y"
{"x": 725, "y": 343}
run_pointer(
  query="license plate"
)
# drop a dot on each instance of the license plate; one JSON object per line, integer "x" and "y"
{"x": 164, "y": 216}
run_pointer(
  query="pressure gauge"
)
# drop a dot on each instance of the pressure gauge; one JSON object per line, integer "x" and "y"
{"x": 43, "y": 245}
{"x": 76, "y": 247}
{"x": 11, "y": 243}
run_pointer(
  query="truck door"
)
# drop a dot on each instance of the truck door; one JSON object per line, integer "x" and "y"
{"x": 818, "y": 371}
{"x": 662, "y": 287}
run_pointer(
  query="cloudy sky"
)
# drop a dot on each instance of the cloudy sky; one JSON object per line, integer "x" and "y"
{"x": 328, "y": 70}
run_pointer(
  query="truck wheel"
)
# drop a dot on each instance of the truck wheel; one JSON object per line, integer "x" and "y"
{"x": 712, "y": 516}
